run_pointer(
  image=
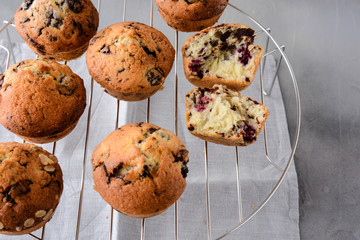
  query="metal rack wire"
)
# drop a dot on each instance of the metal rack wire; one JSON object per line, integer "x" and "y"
{"x": 282, "y": 170}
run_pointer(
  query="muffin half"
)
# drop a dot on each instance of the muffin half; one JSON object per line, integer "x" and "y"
{"x": 224, "y": 54}
{"x": 223, "y": 116}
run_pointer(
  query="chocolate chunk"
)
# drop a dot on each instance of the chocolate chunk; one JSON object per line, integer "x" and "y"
{"x": 140, "y": 124}
{"x": 53, "y": 39}
{"x": 26, "y": 20}
{"x": 40, "y": 31}
{"x": 75, "y": 6}
{"x": 244, "y": 32}
{"x": 19, "y": 64}
{"x": 105, "y": 170}
{"x": 214, "y": 43}
{"x": 146, "y": 172}
{"x": 152, "y": 130}
{"x": 105, "y": 50}
{"x": 191, "y": 128}
{"x": 121, "y": 70}
{"x": 155, "y": 76}
{"x": 225, "y": 36}
{"x": 131, "y": 26}
{"x": 26, "y": 5}
{"x": 21, "y": 188}
{"x": 200, "y": 74}
{"x": 181, "y": 155}
{"x": 2, "y": 76}
{"x": 247, "y": 79}
{"x": 53, "y": 20}
{"x": 148, "y": 52}
{"x": 184, "y": 170}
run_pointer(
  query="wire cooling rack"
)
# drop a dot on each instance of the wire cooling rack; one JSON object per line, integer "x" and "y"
{"x": 264, "y": 91}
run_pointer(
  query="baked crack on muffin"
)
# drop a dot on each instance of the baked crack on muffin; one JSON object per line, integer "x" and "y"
{"x": 57, "y": 29}
{"x": 224, "y": 54}
{"x": 223, "y": 116}
{"x": 140, "y": 169}
{"x": 30, "y": 187}
{"x": 130, "y": 60}
{"x": 41, "y": 101}
{"x": 191, "y": 15}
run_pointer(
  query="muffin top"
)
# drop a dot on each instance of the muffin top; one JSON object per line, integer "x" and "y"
{"x": 140, "y": 169}
{"x": 130, "y": 57}
{"x": 53, "y": 26}
{"x": 30, "y": 186}
{"x": 40, "y": 98}
{"x": 192, "y": 9}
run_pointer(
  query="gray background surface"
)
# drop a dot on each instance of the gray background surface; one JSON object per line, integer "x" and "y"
{"x": 321, "y": 39}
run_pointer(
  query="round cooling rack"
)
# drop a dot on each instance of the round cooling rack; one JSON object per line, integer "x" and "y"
{"x": 278, "y": 164}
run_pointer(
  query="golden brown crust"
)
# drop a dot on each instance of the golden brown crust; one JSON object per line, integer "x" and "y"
{"x": 130, "y": 60}
{"x": 58, "y": 30}
{"x": 30, "y": 187}
{"x": 40, "y": 100}
{"x": 208, "y": 80}
{"x": 191, "y": 15}
{"x": 186, "y": 25}
{"x": 140, "y": 169}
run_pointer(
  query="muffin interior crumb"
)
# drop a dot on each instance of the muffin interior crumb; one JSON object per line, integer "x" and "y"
{"x": 224, "y": 112}
{"x": 224, "y": 52}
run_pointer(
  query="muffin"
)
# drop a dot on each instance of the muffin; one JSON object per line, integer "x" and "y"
{"x": 224, "y": 54}
{"x": 30, "y": 187}
{"x": 223, "y": 116}
{"x": 41, "y": 101}
{"x": 57, "y": 29}
{"x": 140, "y": 169}
{"x": 191, "y": 15}
{"x": 130, "y": 60}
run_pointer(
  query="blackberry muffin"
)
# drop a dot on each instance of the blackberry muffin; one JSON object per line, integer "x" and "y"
{"x": 30, "y": 187}
{"x": 224, "y": 54}
{"x": 130, "y": 60}
{"x": 41, "y": 101}
{"x": 191, "y": 15}
{"x": 223, "y": 116}
{"x": 57, "y": 29}
{"x": 140, "y": 169}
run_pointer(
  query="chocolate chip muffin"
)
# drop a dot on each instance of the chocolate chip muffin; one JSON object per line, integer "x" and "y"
{"x": 224, "y": 54}
{"x": 191, "y": 15}
{"x": 130, "y": 60}
{"x": 140, "y": 169}
{"x": 41, "y": 101}
{"x": 57, "y": 29}
{"x": 30, "y": 187}
{"x": 223, "y": 116}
